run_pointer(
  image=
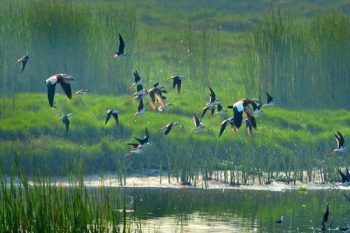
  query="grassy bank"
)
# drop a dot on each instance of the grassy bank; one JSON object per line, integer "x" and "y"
{"x": 286, "y": 140}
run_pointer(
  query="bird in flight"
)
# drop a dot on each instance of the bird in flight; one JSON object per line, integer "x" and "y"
{"x": 23, "y": 60}
{"x": 51, "y": 82}
{"x": 121, "y": 49}
{"x": 114, "y": 113}
{"x": 177, "y": 82}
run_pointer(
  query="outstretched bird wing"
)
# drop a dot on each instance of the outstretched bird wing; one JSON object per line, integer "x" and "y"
{"x": 341, "y": 139}
{"x": 140, "y": 105}
{"x": 115, "y": 116}
{"x": 196, "y": 121}
{"x": 325, "y": 217}
{"x": 205, "y": 109}
{"x": 109, "y": 114}
{"x": 223, "y": 126}
{"x": 168, "y": 128}
{"x": 153, "y": 99}
{"x": 66, "y": 88}
{"x": 121, "y": 45}
{"x": 137, "y": 76}
{"x": 269, "y": 98}
{"x": 134, "y": 145}
{"x": 51, "y": 93}
{"x": 212, "y": 95}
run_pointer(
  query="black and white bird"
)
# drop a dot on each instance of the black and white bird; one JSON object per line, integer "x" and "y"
{"x": 340, "y": 143}
{"x": 197, "y": 124}
{"x": 82, "y": 92}
{"x": 281, "y": 220}
{"x": 177, "y": 82}
{"x": 343, "y": 229}
{"x": 224, "y": 123}
{"x": 212, "y": 103}
{"x": 165, "y": 105}
{"x": 168, "y": 127}
{"x": 136, "y": 149}
{"x": 270, "y": 101}
{"x": 345, "y": 178}
{"x": 325, "y": 218}
{"x": 140, "y": 92}
{"x": 114, "y": 113}
{"x": 51, "y": 86}
{"x": 121, "y": 49}
{"x": 23, "y": 60}
{"x": 140, "y": 107}
{"x": 137, "y": 79}
{"x": 65, "y": 120}
{"x": 244, "y": 105}
{"x": 145, "y": 139}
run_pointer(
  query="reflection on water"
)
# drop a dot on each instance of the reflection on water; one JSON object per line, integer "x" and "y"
{"x": 196, "y": 222}
{"x": 193, "y": 210}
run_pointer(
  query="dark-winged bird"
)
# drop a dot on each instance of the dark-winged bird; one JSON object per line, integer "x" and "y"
{"x": 325, "y": 218}
{"x": 114, "y": 113}
{"x": 197, "y": 124}
{"x": 244, "y": 105}
{"x": 212, "y": 103}
{"x": 220, "y": 109}
{"x": 137, "y": 79}
{"x": 340, "y": 143}
{"x": 177, "y": 82}
{"x": 156, "y": 91}
{"x": 168, "y": 127}
{"x": 344, "y": 177}
{"x": 23, "y": 60}
{"x": 145, "y": 139}
{"x": 140, "y": 107}
{"x": 121, "y": 48}
{"x": 136, "y": 149}
{"x": 224, "y": 123}
{"x": 65, "y": 120}
{"x": 51, "y": 86}
{"x": 280, "y": 221}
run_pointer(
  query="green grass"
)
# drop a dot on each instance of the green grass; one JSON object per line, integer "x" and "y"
{"x": 286, "y": 140}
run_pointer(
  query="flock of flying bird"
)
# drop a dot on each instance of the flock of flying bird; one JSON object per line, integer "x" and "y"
{"x": 249, "y": 106}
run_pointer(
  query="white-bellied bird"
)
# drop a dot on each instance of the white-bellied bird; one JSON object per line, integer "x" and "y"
{"x": 23, "y": 60}
{"x": 114, "y": 113}
{"x": 197, "y": 124}
{"x": 51, "y": 86}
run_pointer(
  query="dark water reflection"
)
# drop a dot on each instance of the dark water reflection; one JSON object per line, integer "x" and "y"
{"x": 194, "y": 210}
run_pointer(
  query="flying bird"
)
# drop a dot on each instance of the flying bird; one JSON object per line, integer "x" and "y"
{"x": 114, "y": 113}
{"x": 51, "y": 86}
{"x": 257, "y": 106}
{"x": 140, "y": 107}
{"x": 154, "y": 92}
{"x": 244, "y": 105}
{"x": 82, "y": 92}
{"x": 345, "y": 178}
{"x": 23, "y": 60}
{"x": 65, "y": 120}
{"x": 340, "y": 143}
{"x": 177, "y": 82}
{"x": 212, "y": 103}
{"x": 280, "y": 221}
{"x": 197, "y": 123}
{"x": 121, "y": 48}
{"x": 145, "y": 139}
{"x": 136, "y": 149}
{"x": 325, "y": 218}
{"x": 270, "y": 101}
{"x": 168, "y": 127}
{"x": 224, "y": 123}
{"x": 140, "y": 92}
{"x": 137, "y": 79}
